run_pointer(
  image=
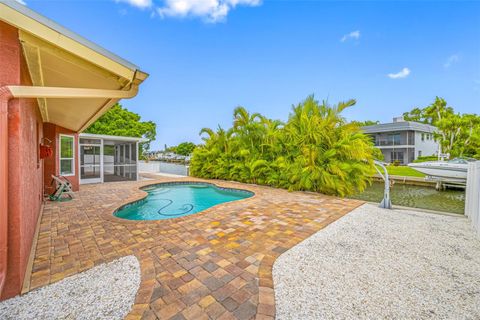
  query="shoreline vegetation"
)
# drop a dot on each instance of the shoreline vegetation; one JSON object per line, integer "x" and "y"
{"x": 315, "y": 150}
{"x": 404, "y": 171}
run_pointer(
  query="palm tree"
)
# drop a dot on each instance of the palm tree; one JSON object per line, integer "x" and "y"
{"x": 246, "y": 125}
{"x": 315, "y": 150}
{"x": 272, "y": 130}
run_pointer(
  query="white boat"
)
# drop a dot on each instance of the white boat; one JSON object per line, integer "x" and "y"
{"x": 455, "y": 169}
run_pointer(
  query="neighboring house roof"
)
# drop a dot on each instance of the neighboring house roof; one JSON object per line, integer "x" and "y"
{"x": 400, "y": 126}
{"x": 110, "y": 137}
{"x": 59, "y": 58}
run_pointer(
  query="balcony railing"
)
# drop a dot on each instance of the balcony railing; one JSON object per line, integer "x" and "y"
{"x": 381, "y": 143}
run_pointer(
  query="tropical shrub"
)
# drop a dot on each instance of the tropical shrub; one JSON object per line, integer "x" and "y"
{"x": 425, "y": 159}
{"x": 118, "y": 121}
{"x": 315, "y": 150}
{"x": 184, "y": 148}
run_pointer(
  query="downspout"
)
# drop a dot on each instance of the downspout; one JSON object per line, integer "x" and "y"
{"x": 6, "y": 94}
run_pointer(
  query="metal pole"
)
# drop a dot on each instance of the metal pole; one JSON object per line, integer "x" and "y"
{"x": 386, "y": 202}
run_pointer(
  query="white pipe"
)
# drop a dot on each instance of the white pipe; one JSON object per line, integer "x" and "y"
{"x": 61, "y": 92}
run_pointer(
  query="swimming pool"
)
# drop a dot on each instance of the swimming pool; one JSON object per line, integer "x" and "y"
{"x": 173, "y": 200}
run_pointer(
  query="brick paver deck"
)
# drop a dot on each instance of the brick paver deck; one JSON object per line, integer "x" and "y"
{"x": 215, "y": 264}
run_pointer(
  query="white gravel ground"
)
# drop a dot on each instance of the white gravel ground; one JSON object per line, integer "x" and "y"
{"x": 374, "y": 263}
{"x": 106, "y": 291}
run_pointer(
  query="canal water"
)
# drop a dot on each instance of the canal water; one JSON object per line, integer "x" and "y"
{"x": 417, "y": 197}
{"x": 402, "y": 195}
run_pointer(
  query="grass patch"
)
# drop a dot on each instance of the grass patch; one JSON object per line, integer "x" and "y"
{"x": 404, "y": 171}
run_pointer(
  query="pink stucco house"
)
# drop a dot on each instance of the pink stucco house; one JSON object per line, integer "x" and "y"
{"x": 53, "y": 85}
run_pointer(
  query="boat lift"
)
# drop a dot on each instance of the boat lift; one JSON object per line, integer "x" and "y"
{"x": 386, "y": 202}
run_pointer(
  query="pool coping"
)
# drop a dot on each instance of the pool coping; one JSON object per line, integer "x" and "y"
{"x": 111, "y": 213}
{"x": 142, "y": 188}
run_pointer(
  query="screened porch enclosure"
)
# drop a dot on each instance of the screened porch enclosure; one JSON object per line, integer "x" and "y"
{"x": 119, "y": 161}
{"x": 108, "y": 158}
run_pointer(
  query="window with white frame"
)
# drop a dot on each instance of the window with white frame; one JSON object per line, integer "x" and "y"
{"x": 67, "y": 155}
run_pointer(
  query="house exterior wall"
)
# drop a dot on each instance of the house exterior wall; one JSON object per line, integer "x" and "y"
{"x": 427, "y": 147}
{"x": 24, "y": 176}
{"x": 25, "y": 169}
{"x": 393, "y": 138}
{"x": 408, "y": 142}
{"x": 52, "y": 165}
{"x": 403, "y": 136}
{"x": 404, "y": 155}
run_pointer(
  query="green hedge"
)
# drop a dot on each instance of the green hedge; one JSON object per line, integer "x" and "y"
{"x": 315, "y": 150}
{"x": 426, "y": 158}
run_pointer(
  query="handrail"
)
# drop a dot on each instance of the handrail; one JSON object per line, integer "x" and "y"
{"x": 386, "y": 202}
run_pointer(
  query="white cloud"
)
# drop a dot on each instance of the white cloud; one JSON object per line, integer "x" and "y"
{"x": 402, "y": 74}
{"x": 210, "y": 10}
{"x": 454, "y": 58}
{"x": 21, "y": 2}
{"x": 142, "y": 4}
{"x": 352, "y": 35}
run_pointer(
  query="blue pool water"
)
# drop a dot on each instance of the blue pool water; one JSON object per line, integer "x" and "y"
{"x": 173, "y": 200}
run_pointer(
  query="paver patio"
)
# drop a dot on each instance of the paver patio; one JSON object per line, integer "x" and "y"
{"x": 215, "y": 264}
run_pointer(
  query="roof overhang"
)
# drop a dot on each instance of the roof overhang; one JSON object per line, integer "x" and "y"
{"x": 399, "y": 126}
{"x": 57, "y": 57}
{"x": 110, "y": 137}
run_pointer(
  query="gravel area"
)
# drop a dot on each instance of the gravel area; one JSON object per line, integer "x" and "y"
{"x": 375, "y": 263}
{"x": 106, "y": 291}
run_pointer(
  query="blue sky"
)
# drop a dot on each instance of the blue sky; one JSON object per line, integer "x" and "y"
{"x": 205, "y": 57}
